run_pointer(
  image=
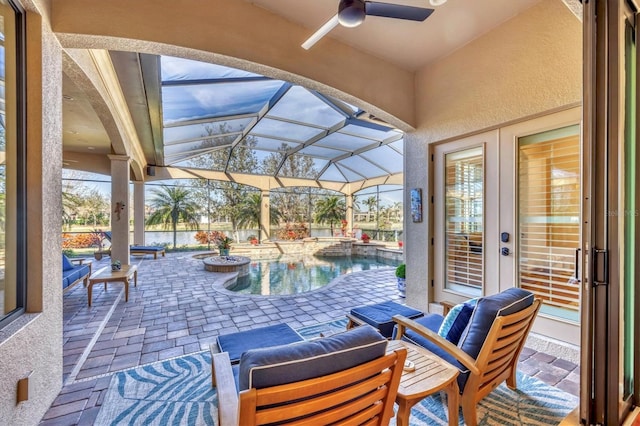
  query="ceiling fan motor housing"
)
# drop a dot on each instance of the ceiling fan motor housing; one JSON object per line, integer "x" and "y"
{"x": 351, "y": 13}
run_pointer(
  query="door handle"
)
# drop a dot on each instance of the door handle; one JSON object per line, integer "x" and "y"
{"x": 576, "y": 269}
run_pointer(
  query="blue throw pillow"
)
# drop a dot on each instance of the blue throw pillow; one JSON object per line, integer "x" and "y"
{"x": 66, "y": 263}
{"x": 456, "y": 321}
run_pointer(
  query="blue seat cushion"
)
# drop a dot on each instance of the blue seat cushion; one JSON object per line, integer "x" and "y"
{"x": 260, "y": 368}
{"x": 238, "y": 343}
{"x": 380, "y": 315}
{"x": 66, "y": 263}
{"x": 486, "y": 310}
{"x": 71, "y": 276}
{"x": 147, "y": 248}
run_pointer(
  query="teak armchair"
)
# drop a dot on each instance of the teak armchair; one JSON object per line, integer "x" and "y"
{"x": 364, "y": 393}
{"x": 496, "y": 361}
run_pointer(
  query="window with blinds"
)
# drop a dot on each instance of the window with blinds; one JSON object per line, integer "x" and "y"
{"x": 549, "y": 218}
{"x": 464, "y": 218}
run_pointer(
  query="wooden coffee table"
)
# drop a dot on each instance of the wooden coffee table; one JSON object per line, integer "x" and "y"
{"x": 106, "y": 275}
{"x": 431, "y": 375}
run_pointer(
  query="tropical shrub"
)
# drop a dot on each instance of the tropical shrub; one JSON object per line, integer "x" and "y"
{"x": 204, "y": 237}
{"x": 401, "y": 271}
{"x": 70, "y": 241}
{"x": 292, "y": 232}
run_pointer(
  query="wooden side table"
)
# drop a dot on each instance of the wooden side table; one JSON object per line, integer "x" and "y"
{"x": 431, "y": 375}
{"x": 106, "y": 275}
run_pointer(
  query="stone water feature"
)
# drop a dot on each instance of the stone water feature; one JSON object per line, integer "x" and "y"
{"x": 239, "y": 264}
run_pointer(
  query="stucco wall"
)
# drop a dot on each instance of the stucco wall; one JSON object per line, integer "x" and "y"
{"x": 530, "y": 65}
{"x": 33, "y": 343}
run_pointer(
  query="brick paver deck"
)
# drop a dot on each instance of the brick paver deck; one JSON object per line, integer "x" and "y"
{"x": 179, "y": 308}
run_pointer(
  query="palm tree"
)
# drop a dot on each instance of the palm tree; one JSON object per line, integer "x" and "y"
{"x": 171, "y": 206}
{"x": 371, "y": 203}
{"x": 248, "y": 214}
{"x": 330, "y": 210}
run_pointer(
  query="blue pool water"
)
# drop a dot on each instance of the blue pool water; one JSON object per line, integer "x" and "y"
{"x": 287, "y": 276}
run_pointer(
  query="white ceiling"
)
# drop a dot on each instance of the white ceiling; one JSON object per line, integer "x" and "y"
{"x": 408, "y": 44}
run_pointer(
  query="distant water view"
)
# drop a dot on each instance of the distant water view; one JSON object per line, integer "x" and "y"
{"x": 187, "y": 237}
{"x": 299, "y": 275}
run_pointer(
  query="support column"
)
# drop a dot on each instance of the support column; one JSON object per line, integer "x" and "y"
{"x": 120, "y": 208}
{"x": 265, "y": 216}
{"x": 138, "y": 213}
{"x": 349, "y": 215}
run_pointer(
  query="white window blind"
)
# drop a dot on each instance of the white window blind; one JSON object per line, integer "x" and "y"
{"x": 549, "y": 218}
{"x": 464, "y": 214}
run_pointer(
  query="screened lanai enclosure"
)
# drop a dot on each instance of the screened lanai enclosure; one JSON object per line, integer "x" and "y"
{"x": 230, "y": 139}
{"x": 224, "y": 119}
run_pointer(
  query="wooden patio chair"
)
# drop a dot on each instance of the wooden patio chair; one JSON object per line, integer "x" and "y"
{"x": 496, "y": 360}
{"x": 361, "y": 394}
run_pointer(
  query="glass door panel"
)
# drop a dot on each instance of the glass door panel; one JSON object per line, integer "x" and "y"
{"x": 549, "y": 219}
{"x": 464, "y": 219}
{"x": 629, "y": 217}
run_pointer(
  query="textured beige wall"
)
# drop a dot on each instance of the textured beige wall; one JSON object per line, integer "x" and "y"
{"x": 530, "y": 65}
{"x": 33, "y": 343}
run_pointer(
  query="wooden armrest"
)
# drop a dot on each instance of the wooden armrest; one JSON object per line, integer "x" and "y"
{"x": 223, "y": 380}
{"x": 435, "y": 338}
{"x": 354, "y": 321}
{"x": 83, "y": 262}
{"x": 446, "y": 307}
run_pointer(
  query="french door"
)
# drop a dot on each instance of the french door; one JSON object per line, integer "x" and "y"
{"x": 507, "y": 213}
{"x": 610, "y": 349}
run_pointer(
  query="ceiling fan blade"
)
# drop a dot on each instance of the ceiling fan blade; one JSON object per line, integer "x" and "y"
{"x": 328, "y": 26}
{"x": 398, "y": 11}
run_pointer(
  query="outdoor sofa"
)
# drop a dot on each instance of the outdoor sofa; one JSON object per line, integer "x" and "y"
{"x": 74, "y": 271}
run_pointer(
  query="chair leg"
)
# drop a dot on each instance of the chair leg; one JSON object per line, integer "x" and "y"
{"x": 511, "y": 380}
{"x": 469, "y": 412}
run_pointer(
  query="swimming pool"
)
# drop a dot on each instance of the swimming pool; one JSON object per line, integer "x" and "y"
{"x": 294, "y": 276}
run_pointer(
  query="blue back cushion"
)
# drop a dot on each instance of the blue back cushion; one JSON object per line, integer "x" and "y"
{"x": 486, "y": 310}
{"x": 260, "y": 368}
{"x": 66, "y": 263}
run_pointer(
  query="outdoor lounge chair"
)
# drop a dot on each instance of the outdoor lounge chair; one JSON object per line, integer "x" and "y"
{"x": 346, "y": 378}
{"x": 143, "y": 250}
{"x": 133, "y": 249}
{"x": 483, "y": 338}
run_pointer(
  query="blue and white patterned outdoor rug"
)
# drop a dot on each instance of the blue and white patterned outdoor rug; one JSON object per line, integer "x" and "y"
{"x": 179, "y": 392}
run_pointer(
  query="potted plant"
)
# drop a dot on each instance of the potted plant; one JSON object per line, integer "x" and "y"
{"x": 365, "y": 238}
{"x": 253, "y": 240}
{"x": 224, "y": 244}
{"x": 401, "y": 276}
{"x": 116, "y": 265}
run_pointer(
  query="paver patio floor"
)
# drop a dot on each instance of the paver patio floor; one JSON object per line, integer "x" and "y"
{"x": 179, "y": 308}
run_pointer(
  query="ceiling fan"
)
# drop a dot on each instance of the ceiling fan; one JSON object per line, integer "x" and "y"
{"x": 351, "y": 13}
